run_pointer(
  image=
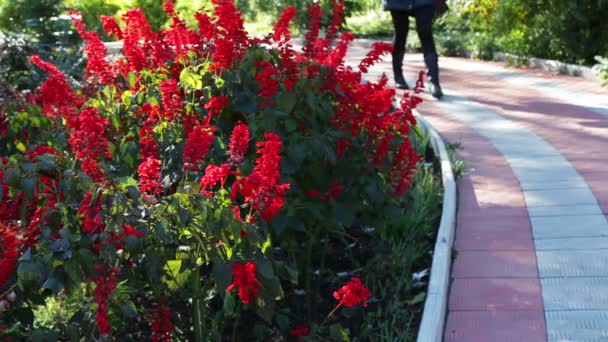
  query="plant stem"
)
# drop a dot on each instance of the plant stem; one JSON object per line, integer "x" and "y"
{"x": 197, "y": 304}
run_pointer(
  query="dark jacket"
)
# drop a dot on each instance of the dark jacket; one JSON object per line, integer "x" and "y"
{"x": 406, "y": 5}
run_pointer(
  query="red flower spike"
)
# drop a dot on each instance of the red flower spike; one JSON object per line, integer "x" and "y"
{"x": 245, "y": 280}
{"x": 197, "y": 145}
{"x": 214, "y": 174}
{"x": 149, "y": 174}
{"x": 9, "y": 253}
{"x": 171, "y": 98}
{"x": 90, "y": 213}
{"x": 238, "y": 145}
{"x": 97, "y": 63}
{"x": 314, "y": 23}
{"x": 162, "y": 328}
{"x": 267, "y": 78}
{"x": 378, "y": 50}
{"x": 55, "y": 92}
{"x": 281, "y": 28}
{"x": 215, "y": 106}
{"x": 109, "y": 25}
{"x": 105, "y": 285}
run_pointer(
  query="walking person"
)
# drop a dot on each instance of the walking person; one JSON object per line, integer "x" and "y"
{"x": 423, "y": 11}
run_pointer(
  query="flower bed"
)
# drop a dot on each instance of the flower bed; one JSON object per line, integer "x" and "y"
{"x": 211, "y": 186}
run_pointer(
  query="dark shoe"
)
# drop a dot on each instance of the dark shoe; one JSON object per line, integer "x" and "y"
{"x": 397, "y": 72}
{"x": 436, "y": 90}
{"x": 400, "y": 81}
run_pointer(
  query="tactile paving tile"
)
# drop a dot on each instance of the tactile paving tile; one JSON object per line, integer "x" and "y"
{"x": 569, "y": 226}
{"x": 547, "y": 198}
{"x": 582, "y": 243}
{"x": 585, "y": 293}
{"x": 585, "y": 326}
{"x": 566, "y": 210}
{"x": 581, "y": 263}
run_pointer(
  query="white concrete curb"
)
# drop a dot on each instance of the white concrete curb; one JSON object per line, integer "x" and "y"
{"x": 556, "y": 67}
{"x": 435, "y": 306}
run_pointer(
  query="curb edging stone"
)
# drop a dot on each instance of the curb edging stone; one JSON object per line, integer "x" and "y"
{"x": 435, "y": 306}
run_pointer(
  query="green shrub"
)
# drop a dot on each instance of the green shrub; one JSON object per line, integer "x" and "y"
{"x": 203, "y": 186}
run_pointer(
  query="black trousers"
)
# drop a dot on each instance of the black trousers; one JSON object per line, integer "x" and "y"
{"x": 424, "y": 28}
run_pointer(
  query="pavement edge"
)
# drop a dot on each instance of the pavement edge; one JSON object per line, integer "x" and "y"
{"x": 435, "y": 306}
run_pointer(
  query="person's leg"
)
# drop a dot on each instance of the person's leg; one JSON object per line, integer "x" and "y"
{"x": 424, "y": 27}
{"x": 401, "y": 25}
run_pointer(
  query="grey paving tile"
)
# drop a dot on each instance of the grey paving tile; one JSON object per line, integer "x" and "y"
{"x": 547, "y": 227}
{"x": 540, "y": 163}
{"x": 575, "y": 293}
{"x": 585, "y": 326}
{"x": 566, "y": 210}
{"x": 564, "y": 244}
{"x": 553, "y": 197}
{"x": 569, "y": 263}
{"x": 548, "y": 184}
{"x": 547, "y": 175}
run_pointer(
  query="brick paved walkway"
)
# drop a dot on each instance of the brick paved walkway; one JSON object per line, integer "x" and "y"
{"x": 532, "y": 233}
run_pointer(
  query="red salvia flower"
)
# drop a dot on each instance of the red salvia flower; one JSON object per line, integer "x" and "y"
{"x": 245, "y": 280}
{"x": 97, "y": 63}
{"x": 403, "y": 168}
{"x": 149, "y": 174}
{"x": 336, "y": 58}
{"x": 353, "y": 293}
{"x": 147, "y": 143}
{"x": 378, "y": 49}
{"x": 55, "y": 92}
{"x": 300, "y": 331}
{"x": 128, "y": 230}
{"x": 266, "y": 76}
{"x": 215, "y": 106}
{"x": 214, "y": 174}
{"x": 109, "y": 25}
{"x": 169, "y": 8}
{"x": 197, "y": 145}
{"x": 171, "y": 98}
{"x": 230, "y": 40}
{"x": 335, "y": 21}
{"x": 91, "y": 214}
{"x": 9, "y": 253}
{"x": 105, "y": 285}
{"x": 205, "y": 25}
{"x": 162, "y": 328}
{"x": 89, "y": 143}
{"x": 281, "y": 27}
{"x": 335, "y": 189}
{"x": 238, "y": 145}
{"x": 314, "y": 23}
{"x": 261, "y": 187}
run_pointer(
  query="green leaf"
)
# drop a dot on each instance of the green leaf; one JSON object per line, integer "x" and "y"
{"x": 229, "y": 304}
{"x": 28, "y": 185}
{"x": 291, "y": 125}
{"x": 128, "y": 309}
{"x": 174, "y": 276}
{"x": 12, "y": 176}
{"x": 338, "y": 333}
{"x": 131, "y": 78}
{"x": 419, "y": 298}
{"x": 286, "y": 102}
{"x": 21, "y": 146}
{"x": 30, "y": 273}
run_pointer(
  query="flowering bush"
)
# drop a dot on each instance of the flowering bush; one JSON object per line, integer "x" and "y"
{"x": 199, "y": 186}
